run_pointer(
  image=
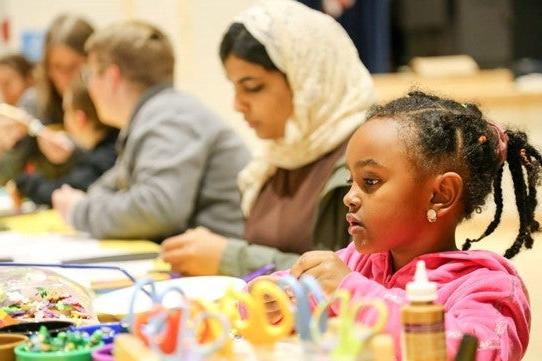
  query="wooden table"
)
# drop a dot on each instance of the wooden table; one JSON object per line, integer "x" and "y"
{"x": 489, "y": 88}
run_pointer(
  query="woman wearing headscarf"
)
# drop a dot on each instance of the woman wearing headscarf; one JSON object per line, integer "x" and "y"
{"x": 300, "y": 84}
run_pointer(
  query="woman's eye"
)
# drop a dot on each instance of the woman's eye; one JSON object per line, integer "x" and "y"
{"x": 349, "y": 181}
{"x": 254, "y": 89}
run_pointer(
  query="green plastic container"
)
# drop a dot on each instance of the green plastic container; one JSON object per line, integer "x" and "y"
{"x": 81, "y": 355}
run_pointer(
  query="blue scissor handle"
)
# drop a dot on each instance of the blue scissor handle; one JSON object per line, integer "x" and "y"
{"x": 303, "y": 288}
{"x": 138, "y": 286}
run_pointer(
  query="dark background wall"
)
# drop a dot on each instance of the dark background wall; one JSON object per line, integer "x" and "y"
{"x": 496, "y": 33}
{"x": 527, "y": 37}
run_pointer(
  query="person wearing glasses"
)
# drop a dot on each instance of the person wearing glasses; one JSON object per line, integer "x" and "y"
{"x": 177, "y": 163}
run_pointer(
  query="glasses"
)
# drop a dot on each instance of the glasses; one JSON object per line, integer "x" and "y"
{"x": 86, "y": 74}
{"x": 63, "y": 68}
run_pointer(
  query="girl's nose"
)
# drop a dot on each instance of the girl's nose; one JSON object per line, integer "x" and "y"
{"x": 351, "y": 200}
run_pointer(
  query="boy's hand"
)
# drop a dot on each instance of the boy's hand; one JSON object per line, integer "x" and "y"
{"x": 64, "y": 199}
{"x": 56, "y": 146}
{"x": 325, "y": 266}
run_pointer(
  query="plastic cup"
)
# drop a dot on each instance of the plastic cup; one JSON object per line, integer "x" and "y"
{"x": 8, "y": 342}
{"x": 80, "y": 355}
{"x": 104, "y": 353}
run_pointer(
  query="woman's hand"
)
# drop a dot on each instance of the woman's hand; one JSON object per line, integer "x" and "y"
{"x": 55, "y": 145}
{"x": 12, "y": 131}
{"x": 325, "y": 266}
{"x": 195, "y": 252}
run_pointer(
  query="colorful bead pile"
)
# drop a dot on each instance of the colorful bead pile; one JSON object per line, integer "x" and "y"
{"x": 42, "y": 341}
{"x": 43, "y": 305}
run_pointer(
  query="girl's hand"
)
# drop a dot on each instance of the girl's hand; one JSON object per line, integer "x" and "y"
{"x": 325, "y": 266}
{"x": 195, "y": 252}
{"x": 274, "y": 315}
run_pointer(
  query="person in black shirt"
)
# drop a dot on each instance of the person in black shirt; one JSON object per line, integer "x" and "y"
{"x": 95, "y": 151}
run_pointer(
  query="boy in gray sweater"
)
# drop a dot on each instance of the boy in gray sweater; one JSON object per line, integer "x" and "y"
{"x": 177, "y": 164}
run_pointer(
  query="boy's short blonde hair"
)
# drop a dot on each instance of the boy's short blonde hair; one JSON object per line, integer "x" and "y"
{"x": 77, "y": 97}
{"x": 142, "y": 52}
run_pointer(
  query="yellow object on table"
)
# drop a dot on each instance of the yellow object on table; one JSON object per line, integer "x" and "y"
{"x": 47, "y": 222}
{"x": 130, "y": 348}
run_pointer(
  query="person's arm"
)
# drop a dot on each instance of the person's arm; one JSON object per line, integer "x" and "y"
{"x": 85, "y": 172}
{"x": 218, "y": 203}
{"x": 164, "y": 180}
{"x": 56, "y": 146}
{"x": 39, "y": 189}
{"x": 29, "y": 102}
{"x": 497, "y": 313}
{"x": 15, "y": 145}
{"x": 240, "y": 258}
{"x": 90, "y": 166}
{"x": 13, "y": 161}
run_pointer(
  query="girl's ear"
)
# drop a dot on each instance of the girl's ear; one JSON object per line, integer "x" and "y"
{"x": 447, "y": 193}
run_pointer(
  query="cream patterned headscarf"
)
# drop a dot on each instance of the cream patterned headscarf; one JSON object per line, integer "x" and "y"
{"x": 331, "y": 88}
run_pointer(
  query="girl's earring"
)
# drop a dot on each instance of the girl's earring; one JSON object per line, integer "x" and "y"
{"x": 431, "y": 215}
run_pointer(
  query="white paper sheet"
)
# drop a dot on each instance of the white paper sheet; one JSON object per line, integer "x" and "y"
{"x": 54, "y": 248}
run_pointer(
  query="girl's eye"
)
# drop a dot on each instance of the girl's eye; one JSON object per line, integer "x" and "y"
{"x": 369, "y": 182}
{"x": 349, "y": 181}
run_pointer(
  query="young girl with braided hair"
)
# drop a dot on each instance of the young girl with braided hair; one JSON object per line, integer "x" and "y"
{"x": 419, "y": 166}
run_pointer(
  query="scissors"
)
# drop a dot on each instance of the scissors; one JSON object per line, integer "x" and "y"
{"x": 352, "y": 332}
{"x": 210, "y": 329}
{"x": 303, "y": 289}
{"x": 191, "y": 331}
{"x": 256, "y": 327}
